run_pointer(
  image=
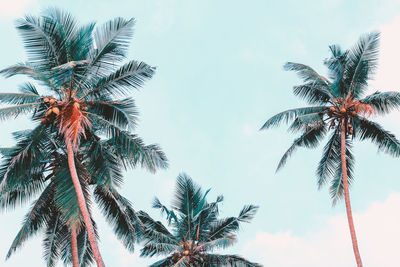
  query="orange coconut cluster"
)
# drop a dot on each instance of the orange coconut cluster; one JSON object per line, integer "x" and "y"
{"x": 189, "y": 248}
{"x": 54, "y": 109}
{"x": 347, "y": 109}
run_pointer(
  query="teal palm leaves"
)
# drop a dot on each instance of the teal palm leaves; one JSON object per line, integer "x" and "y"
{"x": 194, "y": 230}
{"x": 338, "y": 109}
{"x": 79, "y": 101}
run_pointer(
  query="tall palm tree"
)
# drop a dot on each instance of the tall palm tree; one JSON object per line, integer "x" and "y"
{"x": 79, "y": 69}
{"x": 196, "y": 228}
{"x": 339, "y": 105}
{"x": 56, "y": 211}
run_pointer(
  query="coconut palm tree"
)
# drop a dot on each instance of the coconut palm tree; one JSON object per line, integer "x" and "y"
{"x": 56, "y": 211}
{"x": 84, "y": 83}
{"x": 338, "y": 105}
{"x": 196, "y": 228}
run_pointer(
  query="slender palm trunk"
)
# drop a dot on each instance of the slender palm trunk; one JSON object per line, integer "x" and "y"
{"x": 74, "y": 247}
{"x": 347, "y": 196}
{"x": 82, "y": 204}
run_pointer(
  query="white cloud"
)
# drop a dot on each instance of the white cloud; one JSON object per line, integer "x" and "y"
{"x": 15, "y": 8}
{"x": 377, "y": 230}
{"x": 388, "y": 71}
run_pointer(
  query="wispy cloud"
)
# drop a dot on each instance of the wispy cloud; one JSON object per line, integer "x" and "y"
{"x": 377, "y": 230}
{"x": 15, "y": 8}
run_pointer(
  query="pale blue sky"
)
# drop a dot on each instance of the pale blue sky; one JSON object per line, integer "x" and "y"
{"x": 219, "y": 77}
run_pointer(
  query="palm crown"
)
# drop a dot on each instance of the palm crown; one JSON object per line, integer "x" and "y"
{"x": 339, "y": 100}
{"x": 196, "y": 228}
{"x": 82, "y": 116}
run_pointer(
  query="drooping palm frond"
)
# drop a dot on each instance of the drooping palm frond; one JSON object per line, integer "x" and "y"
{"x": 385, "y": 141}
{"x": 336, "y": 188}
{"x": 119, "y": 214}
{"x": 330, "y": 160}
{"x": 310, "y": 139}
{"x": 35, "y": 219}
{"x": 25, "y": 163}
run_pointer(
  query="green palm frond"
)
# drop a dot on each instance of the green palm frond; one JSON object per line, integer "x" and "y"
{"x": 383, "y": 102}
{"x": 130, "y": 76}
{"x": 40, "y": 42}
{"x": 291, "y": 114}
{"x": 385, "y": 140}
{"x": 310, "y": 139}
{"x": 16, "y": 110}
{"x": 111, "y": 43}
{"x": 216, "y": 260}
{"x": 26, "y": 162}
{"x": 362, "y": 63}
{"x": 122, "y": 112}
{"x": 103, "y": 165}
{"x": 120, "y": 214}
{"x": 330, "y": 160}
{"x": 336, "y": 188}
{"x": 35, "y": 219}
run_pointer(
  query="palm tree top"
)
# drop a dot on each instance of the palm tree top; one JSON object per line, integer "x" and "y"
{"x": 196, "y": 229}
{"x": 336, "y": 100}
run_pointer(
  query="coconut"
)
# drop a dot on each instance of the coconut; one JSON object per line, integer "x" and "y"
{"x": 351, "y": 131}
{"x": 332, "y": 108}
{"x": 45, "y": 100}
{"x": 44, "y": 121}
{"x": 353, "y": 113}
{"x": 349, "y": 125}
{"x": 56, "y": 110}
{"x": 48, "y": 112}
{"x": 52, "y": 101}
{"x": 343, "y": 110}
{"x": 186, "y": 252}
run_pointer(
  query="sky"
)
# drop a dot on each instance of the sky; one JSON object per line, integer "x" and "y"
{"x": 219, "y": 78}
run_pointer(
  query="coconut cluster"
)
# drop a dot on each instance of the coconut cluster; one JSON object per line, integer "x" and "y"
{"x": 54, "y": 108}
{"x": 189, "y": 249}
{"x": 338, "y": 113}
{"x": 52, "y": 111}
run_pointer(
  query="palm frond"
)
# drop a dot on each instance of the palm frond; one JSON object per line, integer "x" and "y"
{"x": 336, "y": 189}
{"x": 291, "y": 114}
{"x": 120, "y": 214}
{"x": 310, "y": 139}
{"x": 130, "y": 76}
{"x": 384, "y": 102}
{"x": 362, "y": 62}
{"x": 330, "y": 160}
{"x": 386, "y": 141}
{"x": 122, "y": 113}
{"x": 35, "y": 219}
{"x": 216, "y": 260}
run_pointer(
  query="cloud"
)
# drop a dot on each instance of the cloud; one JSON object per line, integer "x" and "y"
{"x": 330, "y": 246}
{"x": 15, "y": 8}
{"x": 387, "y": 73}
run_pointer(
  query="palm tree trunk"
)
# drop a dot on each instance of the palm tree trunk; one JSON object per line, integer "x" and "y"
{"x": 347, "y": 196}
{"x": 74, "y": 248}
{"x": 82, "y": 204}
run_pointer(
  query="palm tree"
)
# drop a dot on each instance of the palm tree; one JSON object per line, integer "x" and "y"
{"x": 78, "y": 69}
{"x": 56, "y": 211}
{"x": 339, "y": 105}
{"x": 196, "y": 230}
